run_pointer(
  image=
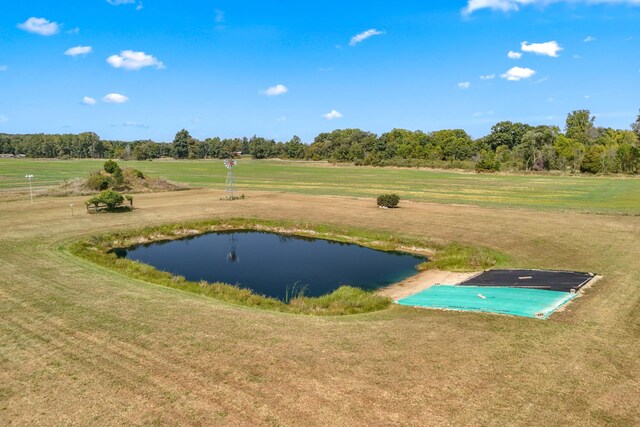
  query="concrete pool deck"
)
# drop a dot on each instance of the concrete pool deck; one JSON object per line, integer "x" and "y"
{"x": 424, "y": 280}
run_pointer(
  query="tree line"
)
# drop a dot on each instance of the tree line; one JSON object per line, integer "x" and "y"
{"x": 580, "y": 146}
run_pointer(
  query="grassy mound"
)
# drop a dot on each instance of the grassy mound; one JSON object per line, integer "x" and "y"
{"x": 112, "y": 177}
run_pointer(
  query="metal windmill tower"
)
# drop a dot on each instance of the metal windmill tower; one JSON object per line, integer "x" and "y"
{"x": 232, "y": 256}
{"x": 229, "y": 164}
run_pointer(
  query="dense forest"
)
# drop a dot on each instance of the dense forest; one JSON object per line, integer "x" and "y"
{"x": 580, "y": 146}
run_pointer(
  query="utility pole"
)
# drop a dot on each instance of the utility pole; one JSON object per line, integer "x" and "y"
{"x": 30, "y": 177}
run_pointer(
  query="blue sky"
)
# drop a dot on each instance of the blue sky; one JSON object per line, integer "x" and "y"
{"x": 131, "y": 69}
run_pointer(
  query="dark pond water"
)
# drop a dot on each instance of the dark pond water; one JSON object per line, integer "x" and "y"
{"x": 276, "y": 265}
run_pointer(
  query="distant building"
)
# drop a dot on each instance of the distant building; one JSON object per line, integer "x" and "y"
{"x": 6, "y": 156}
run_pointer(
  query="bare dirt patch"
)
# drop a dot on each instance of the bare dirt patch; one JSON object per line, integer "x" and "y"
{"x": 422, "y": 281}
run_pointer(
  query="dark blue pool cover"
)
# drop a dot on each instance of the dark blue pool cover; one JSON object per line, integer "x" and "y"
{"x": 563, "y": 281}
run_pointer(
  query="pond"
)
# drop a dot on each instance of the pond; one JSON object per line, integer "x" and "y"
{"x": 276, "y": 265}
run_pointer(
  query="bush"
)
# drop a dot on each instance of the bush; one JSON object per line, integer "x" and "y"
{"x": 138, "y": 173}
{"x": 110, "y": 166}
{"x": 118, "y": 178}
{"x": 98, "y": 182}
{"x": 108, "y": 197}
{"x": 388, "y": 200}
{"x": 487, "y": 163}
{"x": 592, "y": 162}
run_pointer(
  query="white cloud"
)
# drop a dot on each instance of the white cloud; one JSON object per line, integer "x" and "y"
{"x": 549, "y": 48}
{"x": 488, "y": 77}
{"x": 135, "y": 125}
{"x": 333, "y": 114}
{"x": 75, "y": 30}
{"x": 131, "y": 60}
{"x": 115, "y": 98}
{"x": 517, "y": 73}
{"x": 589, "y": 39}
{"x": 483, "y": 113}
{"x": 4, "y": 119}
{"x": 40, "y": 26}
{"x": 514, "y": 5}
{"x": 139, "y": 6}
{"x": 79, "y": 50}
{"x": 275, "y": 90}
{"x": 119, "y": 2}
{"x": 464, "y": 85}
{"x": 87, "y": 100}
{"x": 364, "y": 35}
{"x": 219, "y": 16}
{"x": 3, "y": 68}
{"x": 514, "y": 55}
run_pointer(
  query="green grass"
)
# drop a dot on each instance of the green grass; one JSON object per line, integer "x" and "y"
{"x": 458, "y": 257}
{"x": 617, "y": 195}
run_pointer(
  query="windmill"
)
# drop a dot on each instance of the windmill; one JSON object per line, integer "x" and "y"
{"x": 229, "y": 164}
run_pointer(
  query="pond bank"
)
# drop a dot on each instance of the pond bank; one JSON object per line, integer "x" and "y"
{"x": 422, "y": 281}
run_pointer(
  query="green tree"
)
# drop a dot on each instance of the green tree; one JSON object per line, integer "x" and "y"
{"x": 181, "y": 144}
{"x": 146, "y": 150}
{"x": 592, "y": 162}
{"x": 455, "y": 144}
{"x": 196, "y": 149}
{"x": 294, "y": 148}
{"x": 579, "y": 126}
{"x": 536, "y": 147}
{"x": 569, "y": 153}
{"x": 628, "y": 158}
{"x": 488, "y": 162}
{"x": 261, "y": 148}
{"x": 635, "y": 126}
{"x": 506, "y": 133}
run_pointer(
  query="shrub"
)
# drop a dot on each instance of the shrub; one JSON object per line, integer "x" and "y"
{"x": 118, "y": 177}
{"x": 108, "y": 197}
{"x": 98, "y": 182}
{"x": 592, "y": 162}
{"x": 138, "y": 173}
{"x": 487, "y": 163}
{"x": 111, "y": 198}
{"x": 459, "y": 257}
{"x": 388, "y": 200}
{"x": 110, "y": 166}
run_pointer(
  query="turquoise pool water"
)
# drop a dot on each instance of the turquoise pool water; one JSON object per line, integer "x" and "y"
{"x": 534, "y": 303}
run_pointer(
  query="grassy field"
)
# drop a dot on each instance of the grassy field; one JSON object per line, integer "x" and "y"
{"x": 84, "y": 345}
{"x": 579, "y": 193}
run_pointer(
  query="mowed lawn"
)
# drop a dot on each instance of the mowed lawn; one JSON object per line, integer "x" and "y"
{"x": 83, "y": 345}
{"x": 545, "y": 192}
